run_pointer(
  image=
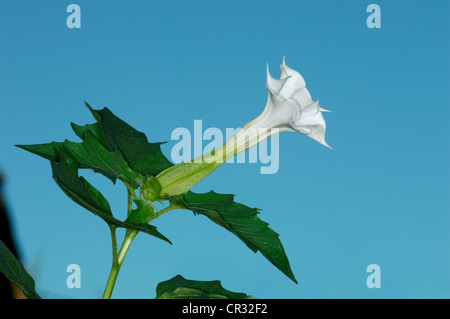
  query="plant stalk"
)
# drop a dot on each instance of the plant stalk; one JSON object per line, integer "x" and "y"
{"x": 117, "y": 262}
{"x": 118, "y": 257}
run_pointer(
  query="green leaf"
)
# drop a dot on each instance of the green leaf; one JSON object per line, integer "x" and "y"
{"x": 89, "y": 154}
{"x": 65, "y": 173}
{"x": 106, "y": 148}
{"x": 181, "y": 288}
{"x": 94, "y": 129}
{"x": 242, "y": 221}
{"x": 142, "y": 156}
{"x": 13, "y": 269}
{"x": 144, "y": 212}
{"x": 110, "y": 147}
{"x": 145, "y": 228}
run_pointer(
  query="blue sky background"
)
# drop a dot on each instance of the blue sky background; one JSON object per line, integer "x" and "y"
{"x": 380, "y": 197}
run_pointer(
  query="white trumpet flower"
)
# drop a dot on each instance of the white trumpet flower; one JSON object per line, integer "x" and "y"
{"x": 289, "y": 108}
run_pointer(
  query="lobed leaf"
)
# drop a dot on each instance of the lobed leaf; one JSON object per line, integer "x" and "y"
{"x": 14, "y": 270}
{"x": 89, "y": 154}
{"x": 242, "y": 221}
{"x": 110, "y": 147}
{"x": 65, "y": 173}
{"x": 114, "y": 149}
{"x": 142, "y": 156}
{"x": 181, "y": 288}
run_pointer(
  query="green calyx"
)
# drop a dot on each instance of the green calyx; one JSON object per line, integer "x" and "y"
{"x": 150, "y": 189}
{"x": 180, "y": 178}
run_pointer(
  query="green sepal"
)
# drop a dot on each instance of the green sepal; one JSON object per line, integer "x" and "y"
{"x": 179, "y": 178}
{"x": 150, "y": 189}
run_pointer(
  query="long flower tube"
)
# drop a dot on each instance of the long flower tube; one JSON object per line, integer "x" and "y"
{"x": 289, "y": 108}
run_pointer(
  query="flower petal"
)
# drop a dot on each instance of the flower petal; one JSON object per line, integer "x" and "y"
{"x": 294, "y": 83}
{"x": 273, "y": 84}
{"x": 303, "y": 97}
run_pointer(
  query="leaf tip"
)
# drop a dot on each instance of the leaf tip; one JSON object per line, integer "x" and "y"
{"x": 94, "y": 113}
{"x": 87, "y": 105}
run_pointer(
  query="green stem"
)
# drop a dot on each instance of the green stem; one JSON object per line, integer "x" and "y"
{"x": 168, "y": 209}
{"x": 111, "y": 281}
{"x": 120, "y": 256}
{"x": 117, "y": 262}
{"x": 129, "y": 203}
{"x": 114, "y": 242}
{"x": 129, "y": 237}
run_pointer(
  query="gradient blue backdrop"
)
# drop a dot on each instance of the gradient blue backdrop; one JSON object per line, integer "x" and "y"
{"x": 381, "y": 196}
